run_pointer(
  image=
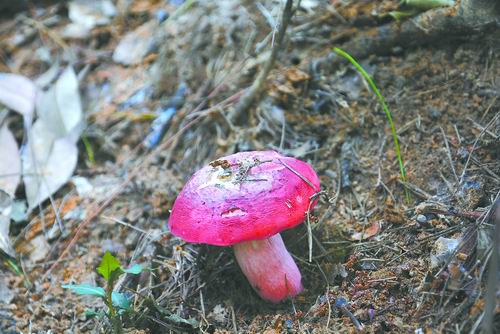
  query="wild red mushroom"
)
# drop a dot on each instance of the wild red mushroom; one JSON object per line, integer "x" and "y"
{"x": 246, "y": 200}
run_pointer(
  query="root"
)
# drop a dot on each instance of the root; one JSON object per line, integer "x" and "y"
{"x": 461, "y": 21}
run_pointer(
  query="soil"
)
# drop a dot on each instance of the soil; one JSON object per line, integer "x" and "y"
{"x": 375, "y": 238}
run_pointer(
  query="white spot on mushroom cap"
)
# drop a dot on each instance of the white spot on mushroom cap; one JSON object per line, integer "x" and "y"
{"x": 233, "y": 212}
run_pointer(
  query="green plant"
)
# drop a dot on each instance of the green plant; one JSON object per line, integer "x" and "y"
{"x": 381, "y": 99}
{"x": 116, "y": 302}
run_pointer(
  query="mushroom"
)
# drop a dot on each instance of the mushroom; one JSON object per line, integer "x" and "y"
{"x": 246, "y": 200}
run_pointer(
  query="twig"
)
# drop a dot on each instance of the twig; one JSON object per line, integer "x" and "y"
{"x": 299, "y": 175}
{"x": 449, "y": 153}
{"x": 475, "y": 145}
{"x": 252, "y": 94}
{"x": 480, "y": 127}
{"x": 341, "y": 304}
{"x": 491, "y": 286}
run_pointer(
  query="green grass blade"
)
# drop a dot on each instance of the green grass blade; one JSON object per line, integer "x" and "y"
{"x": 381, "y": 99}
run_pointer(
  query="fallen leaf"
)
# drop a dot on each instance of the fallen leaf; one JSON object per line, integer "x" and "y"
{"x": 17, "y": 93}
{"x": 5, "y": 208}
{"x": 443, "y": 249}
{"x": 135, "y": 45}
{"x": 10, "y": 162}
{"x": 60, "y": 107}
{"x": 48, "y": 163}
{"x": 46, "y": 78}
{"x": 296, "y": 75}
{"x": 85, "y": 15}
{"x": 6, "y": 294}
{"x": 91, "y": 13}
{"x": 39, "y": 249}
{"x": 368, "y": 233}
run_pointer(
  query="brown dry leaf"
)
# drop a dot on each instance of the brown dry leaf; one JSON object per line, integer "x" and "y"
{"x": 477, "y": 307}
{"x": 142, "y": 6}
{"x": 296, "y": 75}
{"x": 369, "y": 232}
{"x": 37, "y": 226}
{"x": 393, "y": 214}
{"x": 285, "y": 89}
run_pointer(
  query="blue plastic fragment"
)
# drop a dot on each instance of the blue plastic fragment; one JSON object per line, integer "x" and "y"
{"x": 165, "y": 114}
{"x": 161, "y": 15}
{"x": 341, "y": 302}
{"x": 176, "y": 2}
{"x": 137, "y": 98}
{"x": 158, "y": 127}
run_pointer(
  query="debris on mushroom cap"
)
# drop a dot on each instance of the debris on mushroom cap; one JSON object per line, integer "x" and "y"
{"x": 244, "y": 196}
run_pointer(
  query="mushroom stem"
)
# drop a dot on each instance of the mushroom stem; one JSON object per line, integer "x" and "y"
{"x": 269, "y": 268}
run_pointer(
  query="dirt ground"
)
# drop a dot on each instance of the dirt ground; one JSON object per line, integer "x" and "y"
{"x": 379, "y": 257}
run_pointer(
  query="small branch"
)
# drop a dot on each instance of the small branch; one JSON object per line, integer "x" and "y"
{"x": 253, "y": 93}
{"x": 459, "y": 22}
{"x": 492, "y": 282}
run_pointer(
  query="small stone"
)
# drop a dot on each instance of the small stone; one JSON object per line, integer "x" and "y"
{"x": 421, "y": 219}
{"x": 434, "y": 113}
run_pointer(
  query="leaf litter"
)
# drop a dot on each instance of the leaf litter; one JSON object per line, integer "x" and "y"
{"x": 372, "y": 264}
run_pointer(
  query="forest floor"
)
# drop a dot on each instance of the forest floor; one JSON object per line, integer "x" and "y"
{"x": 387, "y": 256}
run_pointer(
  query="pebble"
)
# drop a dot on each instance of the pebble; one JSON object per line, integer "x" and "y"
{"x": 421, "y": 219}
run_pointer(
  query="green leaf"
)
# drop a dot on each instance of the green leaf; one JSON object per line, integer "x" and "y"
{"x": 95, "y": 314}
{"x": 178, "y": 320}
{"x": 85, "y": 289}
{"x": 120, "y": 300}
{"x": 108, "y": 265}
{"x": 134, "y": 269}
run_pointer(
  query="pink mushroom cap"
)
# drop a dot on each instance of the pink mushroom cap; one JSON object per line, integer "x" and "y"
{"x": 244, "y": 196}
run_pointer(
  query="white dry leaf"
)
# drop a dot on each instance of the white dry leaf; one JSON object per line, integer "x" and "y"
{"x": 85, "y": 15}
{"x": 10, "y": 162}
{"x": 17, "y": 93}
{"x": 135, "y": 45}
{"x": 5, "y": 243}
{"x": 83, "y": 187}
{"x": 60, "y": 107}
{"x": 91, "y": 13}
{"x": 443, "y": 249}
{"x": 39, "y": 248}
{"x": 47, "y": 77}
{"x": 220, "y": 314}
{"x": 5, "y": 208}
{"x": 6, "y": 294}
{"x": 48, "y": 163}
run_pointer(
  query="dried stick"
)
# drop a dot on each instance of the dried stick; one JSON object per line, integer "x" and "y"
{"x": 254, "y": 92}
{"x": 492, "y": 282}
{"x": 458, "y": 22}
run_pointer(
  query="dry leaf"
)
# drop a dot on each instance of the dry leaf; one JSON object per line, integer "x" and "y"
{"x": 368, "y": 233}
{"x": 135, "y": 45}
{"x": 296, "y": 75}
{"x": 10, "y": 162}
{"x": 5, "y": 208}
{"x": 17, "y": 93}
{"x": 48, "y": 163}
{"x": 60, "y": 107}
